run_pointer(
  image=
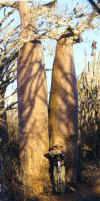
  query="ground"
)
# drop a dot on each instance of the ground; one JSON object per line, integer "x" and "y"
{"x": 87, "y": 190}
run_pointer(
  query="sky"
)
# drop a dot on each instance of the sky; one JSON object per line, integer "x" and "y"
{"x": 64, "y": 7}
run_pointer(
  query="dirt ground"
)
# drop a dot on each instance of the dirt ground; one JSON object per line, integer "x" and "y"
{"x": 87, "y": 190}
{"x": 84, "y": 192}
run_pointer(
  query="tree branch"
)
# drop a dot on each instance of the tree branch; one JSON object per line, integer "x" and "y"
{"x": 9, "y": 4}
{"x": 8, "y": 60}
{"x": 94, "y": 5}
{"x": 11, "y": 106}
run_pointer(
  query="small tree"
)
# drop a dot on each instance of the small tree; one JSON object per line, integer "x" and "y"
{"x": 89, "y": 108}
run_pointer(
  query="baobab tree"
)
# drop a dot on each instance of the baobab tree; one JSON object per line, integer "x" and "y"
{"x": 33, "y": 110}
{"x": 63, "y": 106}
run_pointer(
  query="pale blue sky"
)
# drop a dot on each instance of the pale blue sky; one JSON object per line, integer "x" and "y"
{"x": 64, "y": 8}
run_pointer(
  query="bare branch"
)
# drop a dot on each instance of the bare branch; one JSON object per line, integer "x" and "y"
{"x": 94, "y": 5}
{"x": 7, "y": 15}
{"x": 13, "y": 93}
{"x": 51, "y": 4}
{"x": 9, "y": 59}
{"x": 12, "y": 106}
{"x": 8, "y": 4}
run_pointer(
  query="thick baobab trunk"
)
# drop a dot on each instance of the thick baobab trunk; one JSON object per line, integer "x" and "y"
{"x": 33, "y": 118}
{"x": 63, "y": 106}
